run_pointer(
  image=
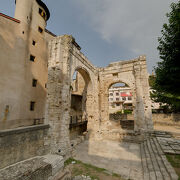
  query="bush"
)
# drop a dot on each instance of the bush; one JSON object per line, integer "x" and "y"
{"x": 126, "y": 111}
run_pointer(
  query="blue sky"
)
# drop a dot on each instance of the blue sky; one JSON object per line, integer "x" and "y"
{"x": 108, "y": 30}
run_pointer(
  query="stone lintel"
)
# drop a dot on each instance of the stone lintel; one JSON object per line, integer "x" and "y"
{"x": 140, "y": 58}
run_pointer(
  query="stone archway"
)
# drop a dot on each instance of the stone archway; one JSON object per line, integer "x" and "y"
{"x": 64, "y": 59}
{"x": 121, "y": 106}
{"x": 81, "y": 101}
{"x": 134, "y": 74}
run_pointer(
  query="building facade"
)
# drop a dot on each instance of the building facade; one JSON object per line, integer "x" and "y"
{"x": 23, "y": 64}
{"x": 120, "y": 98}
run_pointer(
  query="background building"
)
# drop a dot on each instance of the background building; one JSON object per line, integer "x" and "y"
{"x": 120, "y": 98}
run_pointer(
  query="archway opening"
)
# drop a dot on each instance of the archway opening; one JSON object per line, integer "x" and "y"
{"x": 121, "y": 106}
{"x": 80, "y": 88}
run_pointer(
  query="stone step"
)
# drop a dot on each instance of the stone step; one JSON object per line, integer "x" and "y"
{"x": 154, "y": 163}
{"x": 158, "y": 152}
{"x": 40, "y": 167}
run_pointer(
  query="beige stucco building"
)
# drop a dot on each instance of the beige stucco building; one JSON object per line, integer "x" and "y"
{"x": 120, "y": 98}
{"x": 23, "y": 64}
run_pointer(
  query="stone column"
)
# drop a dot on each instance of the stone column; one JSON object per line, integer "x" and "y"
{"x": 142, "y": 112}
{"x": 146, "y": 95}
{"x": 58, "y": 90}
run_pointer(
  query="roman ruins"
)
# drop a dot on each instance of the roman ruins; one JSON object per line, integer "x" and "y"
{"x": 39, "y": 100}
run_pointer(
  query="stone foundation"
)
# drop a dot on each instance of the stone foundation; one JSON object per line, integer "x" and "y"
{"x": 49, "y": 167}
{"x": 22, "y": 143}
{"x": 166, "y": 119}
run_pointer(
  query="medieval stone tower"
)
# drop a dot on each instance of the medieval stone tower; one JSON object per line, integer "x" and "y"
{"x": 32, "y": 12}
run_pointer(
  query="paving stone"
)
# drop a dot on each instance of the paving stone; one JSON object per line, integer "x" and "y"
{"x": 152, "y": 175}
{"x": 156, "y": 162}
{"x": 167, "y": 151}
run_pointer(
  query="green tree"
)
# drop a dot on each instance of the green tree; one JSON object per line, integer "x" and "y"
{"x": 166, "y": 82}
{"x": 168, "y": 70}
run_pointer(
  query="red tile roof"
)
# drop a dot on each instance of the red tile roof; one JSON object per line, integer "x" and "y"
{"x": 8, "y": 17}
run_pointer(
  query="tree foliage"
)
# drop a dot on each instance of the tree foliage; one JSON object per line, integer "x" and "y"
{"x": 166, "y": 83}
{"x": 168, "y": 70}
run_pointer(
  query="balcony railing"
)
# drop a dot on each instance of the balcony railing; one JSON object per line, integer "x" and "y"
{"x": 77, "y": 121}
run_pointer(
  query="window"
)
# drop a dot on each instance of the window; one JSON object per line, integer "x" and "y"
{"x": 33, "y": 43}
{"x": 42, "y": 13}
{"x": 32, "y": 105}
{"x": 129, "y": 98}
{"x": 111, "y": 94}
{"x": 117, "y": 104}
{"x": 32, "y": 58}
{"x": 115, "y": 74}
{"x": 117, "y": 94}
{"x": 34, "y": 82}
{"x": 111, "y": 99}
{"x": 117, "y": 99}
{"x": 45, "y": 85}
{"x": 123, "y": 98}
{"x": 40, "y": 29}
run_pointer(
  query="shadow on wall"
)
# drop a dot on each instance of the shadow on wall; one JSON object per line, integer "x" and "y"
{"x": 16, "y": 83}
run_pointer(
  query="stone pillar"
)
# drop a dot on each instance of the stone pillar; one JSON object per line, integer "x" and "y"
{"x": 146, "y": 95}
{"x": 93, "y": 109}
{"x": 58, "y": 89}
{"x": 142, "y": 112}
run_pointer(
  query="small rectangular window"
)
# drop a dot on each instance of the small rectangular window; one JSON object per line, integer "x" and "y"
{"x": 32, "y": 58}
{"x": 33, "y": 43}
{"x": 123, "y": 98}
{"x": 40, "y": 10}
{"x": 32, "y": 106}
{"x": 115, "y": 74}
{"x": 45, "y": 85}
{"x": 40, "y": 29}
{"x": 34, "y": 82}
{"x": 42, "y": 13}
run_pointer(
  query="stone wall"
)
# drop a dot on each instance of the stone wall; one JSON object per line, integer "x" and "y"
{"x": 22, "y": 143}
{"x": 166, "y": 119}
{"x": 116, "y": 117}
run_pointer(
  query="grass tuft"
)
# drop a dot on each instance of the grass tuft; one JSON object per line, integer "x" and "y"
{"x": 81, "y": 168}
{"x": 175, "y": 162}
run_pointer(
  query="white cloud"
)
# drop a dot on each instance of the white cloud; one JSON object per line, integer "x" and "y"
{"x": 133, "y": 24}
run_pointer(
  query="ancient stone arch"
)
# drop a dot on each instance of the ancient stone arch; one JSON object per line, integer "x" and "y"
{"x": 134, "y": 74}
{"x": 85, "y": 89}
{"x": 64, "y": 59}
